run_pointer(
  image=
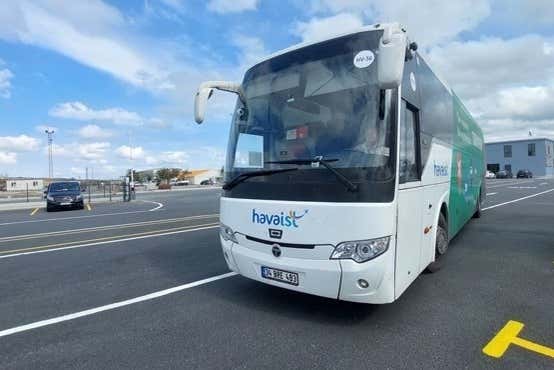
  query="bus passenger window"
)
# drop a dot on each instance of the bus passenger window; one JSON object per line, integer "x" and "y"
{"x": 409, "y": 169}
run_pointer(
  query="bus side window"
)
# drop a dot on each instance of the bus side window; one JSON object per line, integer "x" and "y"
{"x": 409, "y": 144}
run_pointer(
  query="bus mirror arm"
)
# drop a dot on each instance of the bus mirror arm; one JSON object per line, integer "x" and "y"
{"x": 390, "y": 65}
{"x": 205, "y": 91}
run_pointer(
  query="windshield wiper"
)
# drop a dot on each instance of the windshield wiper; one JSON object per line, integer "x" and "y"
{"x": 325, "y": 162}
{"x": 243, "y": 176}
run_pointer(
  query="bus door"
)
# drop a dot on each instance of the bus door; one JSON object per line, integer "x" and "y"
{"x": 410, "y": 195}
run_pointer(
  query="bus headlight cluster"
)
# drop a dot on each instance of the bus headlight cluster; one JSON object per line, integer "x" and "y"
{"x": 361, "y": 250}
{"x": 227, "y": 233}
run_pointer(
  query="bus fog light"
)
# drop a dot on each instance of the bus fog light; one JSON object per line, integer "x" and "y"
{"x": 361, "y": 250}
{"x": 363, "y": 283}
{"x": 227, "y": 233}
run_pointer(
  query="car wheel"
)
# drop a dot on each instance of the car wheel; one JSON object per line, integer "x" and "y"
{"x": 441, "y": 245}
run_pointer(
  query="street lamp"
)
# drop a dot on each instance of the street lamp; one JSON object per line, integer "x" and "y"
{"x": 50, "y": 132}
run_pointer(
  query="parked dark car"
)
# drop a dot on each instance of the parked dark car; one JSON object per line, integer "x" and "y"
{"x": 504, "y": 174}
{"x": 64, "y": 194}
{"x": 207, "y": 182}
{"x": 524, "y": 174}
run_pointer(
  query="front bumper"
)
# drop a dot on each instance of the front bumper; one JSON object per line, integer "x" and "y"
{"x": 63, "y": 204}
{"x": 337, "y": 279}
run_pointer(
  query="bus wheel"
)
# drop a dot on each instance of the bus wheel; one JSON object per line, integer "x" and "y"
{"x": 441, "y": 245}
{"x": 477, "y": 213}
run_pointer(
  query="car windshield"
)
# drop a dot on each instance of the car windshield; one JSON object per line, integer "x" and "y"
{"x": 317, "y": 102}
{"x": 58, "y": 187}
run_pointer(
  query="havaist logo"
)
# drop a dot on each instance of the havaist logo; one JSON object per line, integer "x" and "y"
{"x": 280, "y": 219}
{"x": 440, "y": 169}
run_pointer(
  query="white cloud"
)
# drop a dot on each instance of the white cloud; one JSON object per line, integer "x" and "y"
{"x": 5, "y": 85}
{"x": 8, "y": 157}
{"x": 127, "y": 152}
{"x": 89, "y": 32}
{"x": 93, "y": 152}
{"x": 168, "y": 158}
{"x": 79, "y": 111}
{"x": 479, "y": 67}
{"x": 428, "y": 21}
{"x": 252, "y": 49}
{"x": 232, "y": 6}
{"x": 21, "y": 143}
{"x": 320, "y": 28}
{"x": 94, "y": 132}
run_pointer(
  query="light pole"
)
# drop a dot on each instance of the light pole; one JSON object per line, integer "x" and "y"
{"x": 131, "y": 157}
{"x": 50, "y": 132}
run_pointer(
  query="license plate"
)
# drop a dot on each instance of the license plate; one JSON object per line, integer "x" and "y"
{"x": 280, "y": 275}
{"x": 65, "y": 203}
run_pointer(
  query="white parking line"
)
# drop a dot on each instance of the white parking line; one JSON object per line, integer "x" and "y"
{"x": 517, "y": 200}
{"x": 159, "y": 205}
{"x": 491, "y": 194}
{"x": 197, "y": 228}
{"x": 497, "y": 185}
{"x": 75, "y": 217}
{"x": 92, "y": 311}
{"x": 105, "y": 227}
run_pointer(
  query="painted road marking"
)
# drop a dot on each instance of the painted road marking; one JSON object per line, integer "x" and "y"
{"x": 491, "y": 194}
{"x": 159, "y": 205}
{"x": 107, "y": 227}
{"x": 88, "y": 206}
{"x": 522, "y": 187}
{"x": 517, "y": 200}
{"x": 543, "y": 183}
{"x": 105, "y": 240}
{"x": 35, "y": 211}
{"x": 73, "y": 217}
{"x": 113, "y": 306}
{"x": 508, "y": 184}
{"x": 509, "y": 335}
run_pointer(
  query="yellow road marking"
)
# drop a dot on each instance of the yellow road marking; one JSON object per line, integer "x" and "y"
{"x": 103, "y": 228}
{"x": 88, "y": 206}
{"x": 508, "y": 335}
{"x": 53, "y": 246}
{"x": 35, "y": 211}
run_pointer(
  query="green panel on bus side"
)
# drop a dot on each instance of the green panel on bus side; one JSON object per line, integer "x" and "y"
{"x": 467, "y": 170}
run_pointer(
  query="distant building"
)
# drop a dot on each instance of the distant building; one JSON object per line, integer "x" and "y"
{"x": 24, "y": 184}
{"x": 534, "y": 154}
{"x": 195, "y": 177}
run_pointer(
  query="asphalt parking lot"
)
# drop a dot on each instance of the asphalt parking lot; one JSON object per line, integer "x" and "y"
{"x": 144, "y": 285}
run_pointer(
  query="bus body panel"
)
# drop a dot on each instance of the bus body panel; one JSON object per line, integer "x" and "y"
{"x": 468, "y": 168}
{"x": 316, "y": 223}
{"x": 323, "y": 225}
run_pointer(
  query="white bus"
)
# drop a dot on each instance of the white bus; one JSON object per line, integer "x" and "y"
{"x": 349, "y": 168}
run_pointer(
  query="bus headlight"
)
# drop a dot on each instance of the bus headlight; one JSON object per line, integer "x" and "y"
{"x": 361, "y": 250}
{"x": 227, "y": 233}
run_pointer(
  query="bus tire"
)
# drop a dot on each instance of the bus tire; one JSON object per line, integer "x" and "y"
{"x": 441, "y": 245}
{"x": 477, "y": 213}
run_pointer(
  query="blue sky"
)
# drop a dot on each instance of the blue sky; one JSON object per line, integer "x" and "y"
{"x": 110, "y": 75}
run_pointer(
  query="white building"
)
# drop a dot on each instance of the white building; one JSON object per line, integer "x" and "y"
{"x": 24, "y": 184}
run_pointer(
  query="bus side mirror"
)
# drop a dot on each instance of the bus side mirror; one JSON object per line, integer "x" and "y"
{"x": 200, "y": 102}
{"x": 390, "y": 64}
{"x": 205, "y": 91}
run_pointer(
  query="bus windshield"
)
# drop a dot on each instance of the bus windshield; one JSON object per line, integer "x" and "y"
{"x": 320, "y": 102}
